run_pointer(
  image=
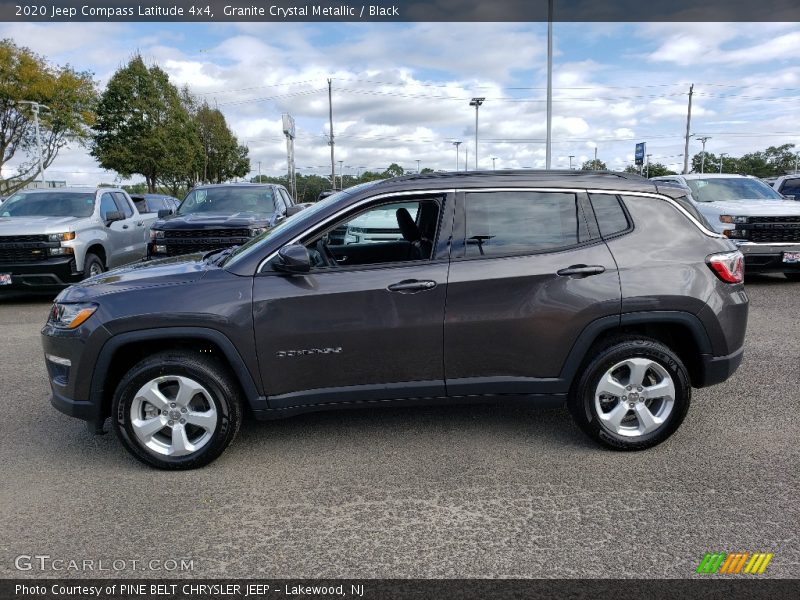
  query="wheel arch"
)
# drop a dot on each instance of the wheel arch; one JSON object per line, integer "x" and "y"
{"x": 122, "y": 351}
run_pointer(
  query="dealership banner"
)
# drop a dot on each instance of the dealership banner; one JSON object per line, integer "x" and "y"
{"x": 396, "y": 589}
{"x": 401, "y": 10}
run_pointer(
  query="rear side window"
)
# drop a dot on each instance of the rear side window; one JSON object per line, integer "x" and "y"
{"x": 522, "y": 222}
{"x": 791, "y": 187}
{"x": 610, "y": 215}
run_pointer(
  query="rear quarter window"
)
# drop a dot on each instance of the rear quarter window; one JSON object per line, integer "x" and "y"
{"x": 611, "y": 217}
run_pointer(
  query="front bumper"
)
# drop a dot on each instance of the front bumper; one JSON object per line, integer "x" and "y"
{"x": 53, "y": 273}
{"x": 768, "y": 258}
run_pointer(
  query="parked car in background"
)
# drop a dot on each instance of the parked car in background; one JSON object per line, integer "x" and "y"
{"x": 758, "y": 219}
{"x": 591, "y": 289}
{"x": 50, "y": 238}
{"x": 788, "y": 186}
{"x": 154, "y": 203}
{"x": 220, "y": 216}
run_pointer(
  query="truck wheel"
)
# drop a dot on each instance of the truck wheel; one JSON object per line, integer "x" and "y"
{"x": 177, "y": 410}
{"x": 792, "y": 276}
{"x": 92, "y": 265}
{"x": 632, "y": 395}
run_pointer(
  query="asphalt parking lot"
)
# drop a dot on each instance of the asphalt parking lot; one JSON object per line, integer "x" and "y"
{"x": 419, "y": 492}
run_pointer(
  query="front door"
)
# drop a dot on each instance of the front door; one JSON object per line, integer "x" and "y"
{"x": 366, "y": 323}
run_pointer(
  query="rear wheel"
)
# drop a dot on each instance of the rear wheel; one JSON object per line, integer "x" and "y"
{"x": 632, "y": 395}
{"x": 177, "y": 410}
{"x": 792, "y": 276}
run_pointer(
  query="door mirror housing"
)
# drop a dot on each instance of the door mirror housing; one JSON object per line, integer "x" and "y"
{"x": 112, "y": 216}
{"x": 164, "y": 212}
{"x": 294, "y": 209}
{"x": 293, "y": 258}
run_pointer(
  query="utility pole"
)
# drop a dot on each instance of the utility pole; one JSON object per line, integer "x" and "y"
{"x": 341, "y": 174}
{"x": 688, "y": 128}
{"x": 594, "y": 164}
{"x": 703, "y": 139}
{"x": 466, "y": 157}
{"x": 647, "y": 166}
{"x": 35, "y": 107}
{"x": 571, "y": 156}
{"x": 494, "y": 158}
{"x": 547, "y": 159}
{"x": 259, "y": 172}
{"x": 330, "y": 141}
{"x": 457, "y": 144}
{"x": 476, "y": 102}
{"x": 721, "y": 156}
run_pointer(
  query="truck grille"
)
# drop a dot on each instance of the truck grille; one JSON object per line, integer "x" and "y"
{"x": 205, "y": 233}
{"x": 773, "y": 229}
{"x": 24, "y": 248}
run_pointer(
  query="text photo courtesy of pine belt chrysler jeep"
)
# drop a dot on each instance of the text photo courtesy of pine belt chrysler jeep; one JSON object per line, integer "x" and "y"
{"x": 50, "y": 238}
{"x": 596, "y": 290}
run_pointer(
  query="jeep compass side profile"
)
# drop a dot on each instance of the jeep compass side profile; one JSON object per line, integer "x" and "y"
{"x": 599, "y": 290}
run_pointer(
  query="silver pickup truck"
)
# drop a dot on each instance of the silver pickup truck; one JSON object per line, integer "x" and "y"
{"x": 51, "y": 238}
{"x": 761, "y": 222}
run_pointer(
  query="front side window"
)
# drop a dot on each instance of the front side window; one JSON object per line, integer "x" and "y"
{"x": 522, "y": 222}
{"x": 107, "y": 205}
{"x": 229, "y": 200}
{"x": 123, "y": 205}
{"x": 791, "y": 187}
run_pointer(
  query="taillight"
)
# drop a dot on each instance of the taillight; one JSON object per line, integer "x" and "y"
{"x": 728, "y": 266}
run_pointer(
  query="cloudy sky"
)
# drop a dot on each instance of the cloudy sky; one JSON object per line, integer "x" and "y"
{"x": 401, "y": 91}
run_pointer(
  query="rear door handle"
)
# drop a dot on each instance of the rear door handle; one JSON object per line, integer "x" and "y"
{"x": 582, "y": 270}
{"x": 411, "y": 286}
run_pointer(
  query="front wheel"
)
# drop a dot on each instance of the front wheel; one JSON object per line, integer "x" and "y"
{"x": 633, "y": 395}
{"x": 92, "y": 265}
{"x": 177, "y": 410}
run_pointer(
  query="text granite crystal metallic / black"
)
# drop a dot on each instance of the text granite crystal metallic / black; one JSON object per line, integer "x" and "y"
{"x": 602, "y": 291}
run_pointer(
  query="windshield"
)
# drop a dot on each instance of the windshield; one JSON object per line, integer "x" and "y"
{"x": 49, "y": 204}
{"x": 228, "y": 200}
{"x": 731, "y": 188}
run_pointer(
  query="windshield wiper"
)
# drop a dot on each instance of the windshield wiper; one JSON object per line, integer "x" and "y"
{"x": 218, "y": 254}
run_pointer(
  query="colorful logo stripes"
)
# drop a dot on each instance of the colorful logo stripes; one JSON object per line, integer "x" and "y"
{"x": 735, "y": 563}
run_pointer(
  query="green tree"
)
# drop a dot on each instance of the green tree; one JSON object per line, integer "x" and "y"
{"x": 594, "y": 165}
{"x": 393, "y": 170}
{"x": 69, "y": 95}
{"x": 653, "y": 170}
{"x": 222, "y": 156}
{"x": 426, "y": 170}
{"x": 143, "y": 127}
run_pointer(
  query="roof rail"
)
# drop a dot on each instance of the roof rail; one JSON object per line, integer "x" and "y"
{"x": 503, "y": 172}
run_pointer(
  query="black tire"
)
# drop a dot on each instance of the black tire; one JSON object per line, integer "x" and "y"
{"x": 792, "y": 276}
{"x": 213, "y": 376}
{"x": 88, "y": 262}
{"x": 581, "y": 400}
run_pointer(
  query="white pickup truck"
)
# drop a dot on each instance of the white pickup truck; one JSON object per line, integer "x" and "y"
{"x": 50, "y": 238}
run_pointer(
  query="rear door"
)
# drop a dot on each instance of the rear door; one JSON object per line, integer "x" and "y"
{"x": 528, "y": 274}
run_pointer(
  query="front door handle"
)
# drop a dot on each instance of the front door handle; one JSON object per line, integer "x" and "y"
{"x": 411, "y": 286}
{"x": 582, "y": 270}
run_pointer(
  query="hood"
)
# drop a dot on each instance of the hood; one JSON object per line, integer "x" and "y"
{"x": 214, "y": 221}
{"x": 752, "y": 208}
{"x": 38, "y": 225}
{"x": 166, "y": 271}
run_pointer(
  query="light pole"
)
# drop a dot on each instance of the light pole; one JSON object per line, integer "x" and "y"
{"x": 721, "y": 156}
{"x": 418, "y": 166}
{"x": 476, "y": 102}
{"x": 647, "y": 166}
{"x": 341, "y": 175}
{"x": 571, "y": 156}
{"x": 457, "y": 144}
{"x": 35, "y": 107}
{"x": 703, "y": 139}
{"x": 494, "y": 158}
{"x": 549, "y": 83}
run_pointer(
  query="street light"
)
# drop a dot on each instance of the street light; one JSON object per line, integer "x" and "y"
{"x": 341, "y": 175}
{"x": 457, "y": 144}
{"x": 721, "y": 156}
{"x": 418, "y": 161}
{"x": 571, "y": 156}
{"x": 494, "y": 158}
{"x": 703, "y": 139}
{"x": 35, "y": 107}
{"x": 476, "y": 102}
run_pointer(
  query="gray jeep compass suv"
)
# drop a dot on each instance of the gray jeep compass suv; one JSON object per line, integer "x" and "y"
{"x": 599, "y": 290}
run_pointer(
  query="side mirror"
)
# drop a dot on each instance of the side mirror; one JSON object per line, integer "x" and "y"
{"x": 293, "y": 258}
{"x": 112, "y": 216}
{"x": 164, "y": 212}
{"x": 294, "y": 209}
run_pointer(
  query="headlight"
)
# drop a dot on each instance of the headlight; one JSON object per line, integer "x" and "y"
{"x": 257, "y": 231}
{"x": 156, "y": 234}
{"x": 732, "y": 219}
{"x": 61, "y": 237}
{"x": 60, "y": 251}
{"x": 70, "y": 316}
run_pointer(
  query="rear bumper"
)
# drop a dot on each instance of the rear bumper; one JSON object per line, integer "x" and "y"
{"x": 47, "y": 274}
{"x": 717, "y": 369}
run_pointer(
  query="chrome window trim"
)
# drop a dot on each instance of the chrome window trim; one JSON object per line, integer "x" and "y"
{"x": 378, "y": 197}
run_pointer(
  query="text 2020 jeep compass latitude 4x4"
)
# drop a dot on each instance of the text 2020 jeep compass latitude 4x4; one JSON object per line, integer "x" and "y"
{"x": 598, "y": 289}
